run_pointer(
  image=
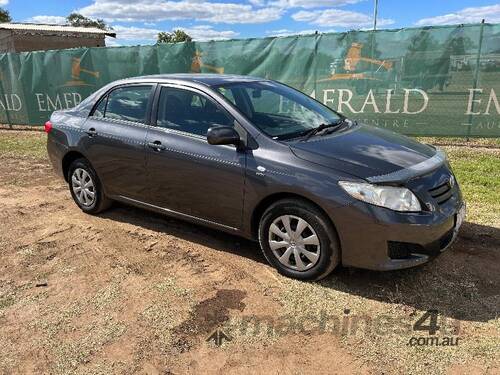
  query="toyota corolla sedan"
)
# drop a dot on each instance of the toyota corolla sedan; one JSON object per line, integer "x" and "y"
{"x": 259, "y": 159}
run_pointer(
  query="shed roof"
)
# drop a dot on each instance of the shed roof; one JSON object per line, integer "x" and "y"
{"x": 34, "y": 27}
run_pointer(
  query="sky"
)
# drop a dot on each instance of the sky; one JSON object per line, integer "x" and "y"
{"x": 139, "y": 21}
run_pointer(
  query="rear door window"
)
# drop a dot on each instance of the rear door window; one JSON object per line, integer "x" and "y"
{"x": 128, "y": 103}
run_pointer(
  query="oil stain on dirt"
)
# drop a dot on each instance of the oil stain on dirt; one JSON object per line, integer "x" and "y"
{"x": 207, "y": 316}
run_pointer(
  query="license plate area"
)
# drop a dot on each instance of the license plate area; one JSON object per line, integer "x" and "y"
{"x": 460, "y": 217}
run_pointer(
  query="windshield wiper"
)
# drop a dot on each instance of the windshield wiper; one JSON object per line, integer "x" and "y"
{"x": 311, "y": 132}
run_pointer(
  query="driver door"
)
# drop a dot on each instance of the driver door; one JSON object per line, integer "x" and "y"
{"x": 186, "y": 174}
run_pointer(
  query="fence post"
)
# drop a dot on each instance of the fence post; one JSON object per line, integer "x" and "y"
{"x": 476, "y": 79}
{"x": 2, "y": 91}
{"x": 315, "y": 73}
{"x": 6, "y": 109}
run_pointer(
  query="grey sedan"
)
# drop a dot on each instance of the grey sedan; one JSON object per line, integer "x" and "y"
{"x": 259, "y": 159}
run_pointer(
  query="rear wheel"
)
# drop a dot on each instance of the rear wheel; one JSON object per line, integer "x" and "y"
{"x": 298, "y": 240}
{"x": 86, "y": 188}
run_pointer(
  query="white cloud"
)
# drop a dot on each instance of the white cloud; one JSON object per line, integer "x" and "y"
{"x": 286, "y": 32}
{"x": 54, "y": 20}
{"x": 159, "y": 10}
{"x": 135, "y": 33}
{"x": 4, "y": 2}
{"x": 490, "y": 13}
{"x": 311, "y": 3}
{"x": 257, "y": 3}
{"x": 141, "y": 34}
{"x": 338, "y": 18}
{"x": 205, "y": 32}
{"x": 111, "y": 42}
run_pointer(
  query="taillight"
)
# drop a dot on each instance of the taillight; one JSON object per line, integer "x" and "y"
{"x": 48, "y": 127}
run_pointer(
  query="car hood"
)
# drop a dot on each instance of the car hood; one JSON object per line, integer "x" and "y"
{"x": 364, "y": 151}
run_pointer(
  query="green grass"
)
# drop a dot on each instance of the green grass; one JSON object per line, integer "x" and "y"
{"x": 478, "y": 173}
{"x": 23, "y": 144}
{"x": 455, "y": 141}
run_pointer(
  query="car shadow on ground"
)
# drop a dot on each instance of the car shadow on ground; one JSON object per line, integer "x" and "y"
{"x": 199, "y": 234}
{"x": 463, "y": 283}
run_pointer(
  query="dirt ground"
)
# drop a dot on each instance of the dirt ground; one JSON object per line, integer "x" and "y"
{"x": 129, "y": 291}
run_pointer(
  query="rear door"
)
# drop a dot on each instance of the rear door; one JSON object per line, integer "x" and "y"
{"x": 115, "y": 139}
{"x": 187, "y": 174}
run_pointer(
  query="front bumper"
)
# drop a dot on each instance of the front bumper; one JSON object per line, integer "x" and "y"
{"x": 407, "y": 254}
{"x": 385, "y": 246}
{"x": 373, "y": 239}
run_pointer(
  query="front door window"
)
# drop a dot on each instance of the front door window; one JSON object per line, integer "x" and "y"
{"x": 189, "y": 112}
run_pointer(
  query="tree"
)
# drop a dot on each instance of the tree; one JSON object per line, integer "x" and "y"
{"x": 175, "y": 36}
{"x": 4, "y": 15}
{"x": 76, "y": 19}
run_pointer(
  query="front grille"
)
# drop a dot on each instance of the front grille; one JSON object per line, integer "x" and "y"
{"x": 441, "y": 193}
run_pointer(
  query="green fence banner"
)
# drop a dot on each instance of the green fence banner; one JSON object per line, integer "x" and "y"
{"x": 432, "y": 81}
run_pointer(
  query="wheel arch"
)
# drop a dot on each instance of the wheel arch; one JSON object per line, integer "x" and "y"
{"x": 69, "y": 158}
{"x": 261, "y": 207}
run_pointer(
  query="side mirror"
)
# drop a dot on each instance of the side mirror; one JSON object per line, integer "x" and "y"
{"x": 223, "y": 135}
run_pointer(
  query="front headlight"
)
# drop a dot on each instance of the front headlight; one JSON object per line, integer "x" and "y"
{"x": 395, "y": 198}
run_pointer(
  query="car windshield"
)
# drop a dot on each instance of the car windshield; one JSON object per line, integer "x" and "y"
{"x": 278, "y": 110}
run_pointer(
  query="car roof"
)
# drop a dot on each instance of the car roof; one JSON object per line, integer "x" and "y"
{"x": 189, "y": 79}
{"x": 200, "y": 78}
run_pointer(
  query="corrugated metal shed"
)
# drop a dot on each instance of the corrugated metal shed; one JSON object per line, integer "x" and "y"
{"x": 33, "y": 27}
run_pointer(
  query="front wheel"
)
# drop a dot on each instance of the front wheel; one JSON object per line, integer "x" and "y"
{"x": 298, "y": 240}
{"x": 86, "y": 188}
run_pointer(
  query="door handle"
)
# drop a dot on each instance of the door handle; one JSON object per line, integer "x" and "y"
{"x": 91, "y": 132}
{"x": 156, "y": 145}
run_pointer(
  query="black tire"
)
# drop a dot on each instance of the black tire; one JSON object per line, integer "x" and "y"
{"x": 329, "y": 253}
{"x": 100, "y": 201}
